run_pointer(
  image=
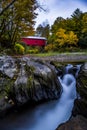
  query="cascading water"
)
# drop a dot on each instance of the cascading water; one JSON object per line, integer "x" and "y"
{"x": 69, "y": 66}
{"x": 48, "y": 115}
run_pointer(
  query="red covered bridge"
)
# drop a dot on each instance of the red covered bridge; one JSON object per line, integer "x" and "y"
{"x": 34, "y": 41}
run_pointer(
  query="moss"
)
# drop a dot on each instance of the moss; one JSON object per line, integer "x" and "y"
{"x": 2, "y": 94}
{"x": 9, "y": 87}
{"x": 29, "y": 69}
{"x": 84, "y": 81}
{"x": 30, "y": 81}
{"x": 58, "y": 65}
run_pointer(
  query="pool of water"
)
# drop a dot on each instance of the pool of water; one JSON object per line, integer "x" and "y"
{"x": 46, "y": 116}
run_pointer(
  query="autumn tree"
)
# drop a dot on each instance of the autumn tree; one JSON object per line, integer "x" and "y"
{"x": 64, "y": 39}
{"x": 17, "y": 20}
{"x": 77, "y": 24}
{"x": 2, "y": 10}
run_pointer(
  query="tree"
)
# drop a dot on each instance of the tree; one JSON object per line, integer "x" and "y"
{"x": 7, "y": 6}
{"x": 77, "y": 14}
{"x": 64, "y": 39}
{"x": 58, "y": 23}
{"x": 76, "y": 18}
{"x": 17, "y": 20}
{"x": 83, "y": 36}
{"x": 77, "y": 24}
{"x": 72, "y": 39}
{"x": 43, "y": 29}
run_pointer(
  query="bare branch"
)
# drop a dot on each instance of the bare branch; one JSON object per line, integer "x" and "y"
{"x": 1, "y": 13}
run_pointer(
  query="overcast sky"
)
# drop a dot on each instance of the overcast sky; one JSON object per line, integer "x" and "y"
{"x": 56, "y": 8}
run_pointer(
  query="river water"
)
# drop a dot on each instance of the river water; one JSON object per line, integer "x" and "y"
{"x": 46, "y": 116}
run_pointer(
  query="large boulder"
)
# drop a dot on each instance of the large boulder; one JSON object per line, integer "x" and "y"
{"x": 80, "y": 105}
{"x": 82, "y": 82}
{"x": 24, "y": 80}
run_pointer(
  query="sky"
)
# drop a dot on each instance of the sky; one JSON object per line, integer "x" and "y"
{"x": 57, "y": 8}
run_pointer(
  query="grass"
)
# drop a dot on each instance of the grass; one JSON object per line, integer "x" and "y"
{"x": 57, "y": 53}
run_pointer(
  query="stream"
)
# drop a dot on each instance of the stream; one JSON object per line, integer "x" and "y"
{"x": 49, "y": 115}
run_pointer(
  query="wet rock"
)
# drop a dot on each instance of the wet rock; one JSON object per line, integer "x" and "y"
{"x": 75, "y": 123}
{"x": 82, "y": 80}
{"x": 72, "y": 69}
{"x": 80, "y": 108}
{"x": 23, "y": 80}
{"x": 80, "y": 105}
{"x": 5, "y": 105}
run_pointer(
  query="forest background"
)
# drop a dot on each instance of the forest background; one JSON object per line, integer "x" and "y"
{"x": 17, "y": 19}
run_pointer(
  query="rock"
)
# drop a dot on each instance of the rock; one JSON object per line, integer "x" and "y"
{"x": 5, "y": 106}
{"x": 82, "y": 82}
{"x": 80, "y": 105}
{"x": 25, "y": 80}
{"x": 8, "y": 66}
{"x": 75, "y": 123}
{"x": 80, "y": 108}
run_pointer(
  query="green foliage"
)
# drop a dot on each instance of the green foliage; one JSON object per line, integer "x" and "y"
{"x": 16, "y": 21}
{"x": 33, "y": 51}
{"x": 83, "y": 37}
{"x": 50, "y": 47}
{"x": 58, "y": 23}
{"x": 70, "y": 31}
{"x": 19, "y": 48}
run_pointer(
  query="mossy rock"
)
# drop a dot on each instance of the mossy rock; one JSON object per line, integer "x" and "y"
{"x": 82, "y": 82}
{"x": 80, "y": 106}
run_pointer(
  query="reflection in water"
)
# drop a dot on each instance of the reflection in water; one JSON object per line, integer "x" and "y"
{"x": 45, "y": 116}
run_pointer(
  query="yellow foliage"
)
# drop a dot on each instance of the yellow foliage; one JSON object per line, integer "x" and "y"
{"x": 19, "y": 48}
{"x": 72, "y": 38}
{"x": 66, "y": 39}
{"x": 33, "y": 51}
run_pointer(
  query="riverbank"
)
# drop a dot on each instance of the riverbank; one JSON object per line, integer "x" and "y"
{"x": 63, "y": 57}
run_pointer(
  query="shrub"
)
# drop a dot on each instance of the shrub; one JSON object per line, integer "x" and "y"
{"x": 19, "y": 48}
{"x": 50, "y": 47}
{"x": 33, "y": 51}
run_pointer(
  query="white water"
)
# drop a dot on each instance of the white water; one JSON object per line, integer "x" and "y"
{"x": 69, "y": 66}
{"x": 48, "y": 115}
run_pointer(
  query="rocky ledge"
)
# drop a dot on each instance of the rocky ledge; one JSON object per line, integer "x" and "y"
{"x": 23, "y": 80}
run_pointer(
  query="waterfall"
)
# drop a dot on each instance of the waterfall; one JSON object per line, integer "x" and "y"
{"x": 69, "y": 66}
{"x": 68, "y": 83}
{"x": 48, "y": 116}
{"x": 78, "y": 69}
